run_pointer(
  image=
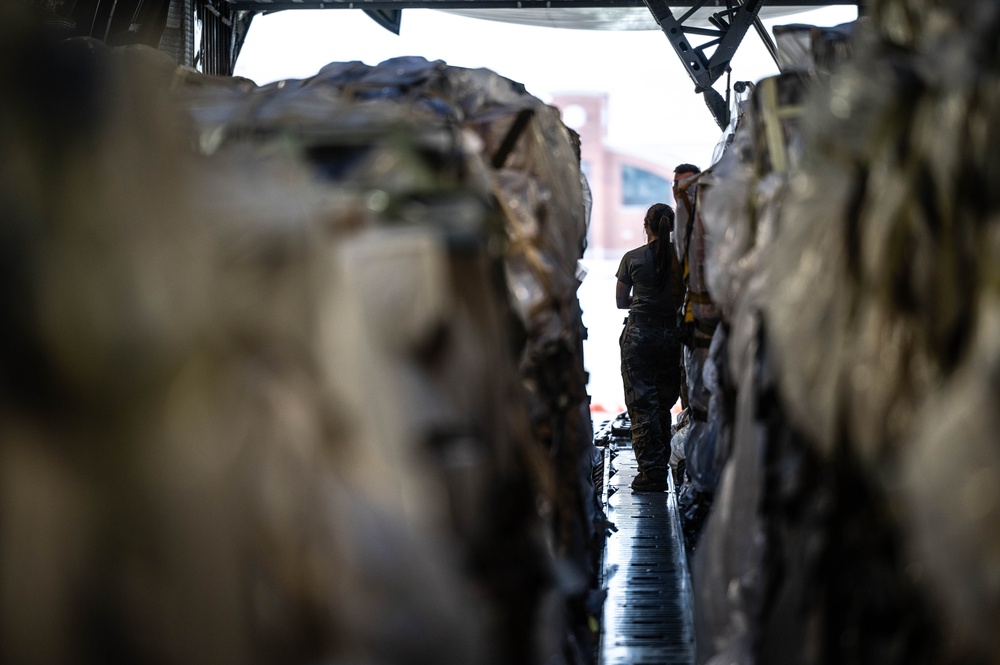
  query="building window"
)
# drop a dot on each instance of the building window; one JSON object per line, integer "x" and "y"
{"x": 642, "y": 188}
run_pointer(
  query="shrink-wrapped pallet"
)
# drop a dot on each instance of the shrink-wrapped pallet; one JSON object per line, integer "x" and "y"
{"x": 700, "y": 318}
{"x": 740, "y": 203}
{"x": 854, "y": 520}
{"x": 269, "y": 394}
{"x": 904, "y": 177}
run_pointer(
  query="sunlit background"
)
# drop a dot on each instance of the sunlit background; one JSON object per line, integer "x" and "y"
{"x": 653, "y": 111}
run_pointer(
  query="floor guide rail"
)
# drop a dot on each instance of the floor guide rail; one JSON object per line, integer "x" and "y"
{"x": 647, "y": 613}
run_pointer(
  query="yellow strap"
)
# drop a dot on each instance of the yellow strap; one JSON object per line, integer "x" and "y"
{"x": 774, "y": 113}
{"x": 772, "y": 125}
{"x": 700, "y": 297}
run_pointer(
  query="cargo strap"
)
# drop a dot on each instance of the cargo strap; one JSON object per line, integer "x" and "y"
{"x": 692, "y": 212}
{"x": 774, "y": 113}
{"x": 694, "y": 298}
{"x": 700, "y": 298}
{"x": 517, "y": 127}
{"x": 706, "y": 327}
{"x": 700, "y": 342}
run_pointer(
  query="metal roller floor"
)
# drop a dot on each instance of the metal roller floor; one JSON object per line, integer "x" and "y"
{"x": 647, "y": 613}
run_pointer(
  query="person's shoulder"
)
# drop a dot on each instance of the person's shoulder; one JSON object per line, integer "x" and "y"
{"x": 628, "y": 262}
{"x": 625, "y": 257}
{"x": 632, "y": 253}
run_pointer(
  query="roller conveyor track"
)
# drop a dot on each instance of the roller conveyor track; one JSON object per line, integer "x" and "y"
{"x": 647, "y": 613}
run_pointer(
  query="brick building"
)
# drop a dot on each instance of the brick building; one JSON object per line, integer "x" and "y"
{"x": 622, "y": 186}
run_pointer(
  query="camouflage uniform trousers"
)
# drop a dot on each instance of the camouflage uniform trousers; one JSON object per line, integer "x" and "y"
{"x": 651, "y": 373}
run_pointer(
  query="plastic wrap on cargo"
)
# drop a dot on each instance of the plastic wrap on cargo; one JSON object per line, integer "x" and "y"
{"x": 703, "y": 310}
{"x": 700, "y": 313}
{"x": 728, "y": 233}
{"x": 813, "y": 49}
{"x": 832, "y": 46}
{"x": 950, "y": 481}
{"x": 428, "y": 179}
{"x": 701, "y": 319}
{"x": 741, "y": 204}
{"x": 685, "y": 197}
{"x": 708, "y": 447}
{"x": 745, "y": 183}
{"x": 176, "y": 472}
{"x": 679, "y": 434}
{"x": 726, "y": 569}
{"x": 890, "y": 339}
{"x": 531, "y": 273}
{"x": 697, "y": 392}
{"x": 794, "y": 47}
{"x": 277, "y": 411}
{"x": 699, "y": 454}
{"x": 871, "y": 403}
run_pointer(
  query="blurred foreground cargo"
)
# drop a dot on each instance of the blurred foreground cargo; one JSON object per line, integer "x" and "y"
{"x": 852, "y": 250}
{"x": 290, "y": 373}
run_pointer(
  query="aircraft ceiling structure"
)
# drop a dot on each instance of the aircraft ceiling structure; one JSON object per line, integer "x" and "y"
{"x": 601, "y": 18}
{"x": 704, "y": 34}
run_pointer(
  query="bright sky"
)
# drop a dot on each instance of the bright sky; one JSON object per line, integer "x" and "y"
{"x": 652, "y": 109}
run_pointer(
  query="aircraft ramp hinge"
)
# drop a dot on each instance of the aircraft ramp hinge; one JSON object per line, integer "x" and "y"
{"x": 727, "y": 32}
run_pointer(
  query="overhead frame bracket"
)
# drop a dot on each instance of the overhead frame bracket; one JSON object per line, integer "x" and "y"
{"x": 390, "y": 19}
{"x": 730, "y": 28}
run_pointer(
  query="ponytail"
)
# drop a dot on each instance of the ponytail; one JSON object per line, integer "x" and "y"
{"x": 660, "y": 220}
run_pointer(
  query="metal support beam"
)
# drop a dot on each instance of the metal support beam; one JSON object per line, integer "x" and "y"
{"x": 390, "y": 19}
{"x": 269, "y": 6}
{"x": 223, "y": 31}
{"x": 705, "y": 70}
